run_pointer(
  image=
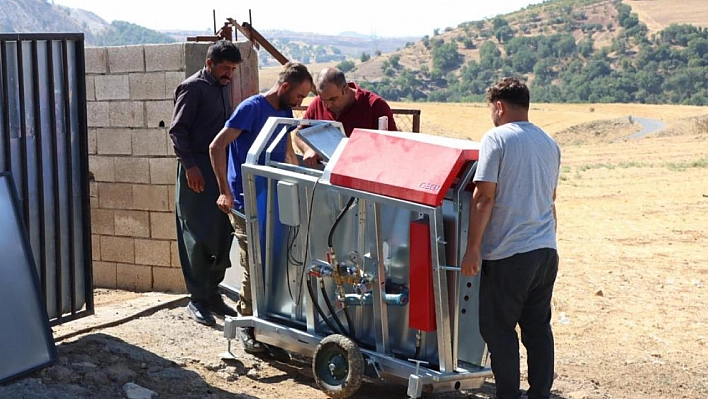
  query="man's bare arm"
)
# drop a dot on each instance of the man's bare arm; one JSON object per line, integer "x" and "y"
{"x": 482, "y": 204}
{"x": 309, "y": 156}
{"x": 217, "y": 154}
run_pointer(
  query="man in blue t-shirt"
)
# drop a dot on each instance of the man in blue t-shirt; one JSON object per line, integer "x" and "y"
{"x": 512, "y": 234}
{"x": 237, "y": 136}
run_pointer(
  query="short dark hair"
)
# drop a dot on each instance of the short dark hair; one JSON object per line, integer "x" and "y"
{"x": 333, "y": 76}
{"x": 223, "y": 50}
{"x": 294, "y": 73}
{"x": 511, "y": 90}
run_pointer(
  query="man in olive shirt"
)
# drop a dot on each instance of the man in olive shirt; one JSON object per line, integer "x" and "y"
{"x": 202, "y": 106}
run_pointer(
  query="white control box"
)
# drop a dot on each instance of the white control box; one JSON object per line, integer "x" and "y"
{"x": 288, "y": 203}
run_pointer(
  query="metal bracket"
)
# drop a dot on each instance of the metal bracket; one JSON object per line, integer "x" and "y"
{"x": 415, "y": 382}
{"x": 376, "y": 367}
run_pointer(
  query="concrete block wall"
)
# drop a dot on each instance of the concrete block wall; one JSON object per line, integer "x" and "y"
{"x": 130, "y": 92}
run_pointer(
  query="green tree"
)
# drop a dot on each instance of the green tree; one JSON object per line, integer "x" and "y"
{"x": 597, "y": 68}
{"x": 585, "y": 48}
{"x": 406, "y": 79}
{"x": 498, "y": 22}
{"x": 394, "y": 59}
{"x": 504, "y": 34}
{"x": 563, "y": 45}
{"x": 490, "y": 56}
{"x": 345, "y": 66}
{"x": 698, "y": 47}
{"x": 649, "y": 82}
{"x": 524, "y": 61}
{"x": 436, "y": 76}
{"x": 425, "y": 70}
{"x": 518, "y": 43}
{"x": 679, "y": 34}
{"x": 543, "y": 70}
{"x": 446, "y": 57}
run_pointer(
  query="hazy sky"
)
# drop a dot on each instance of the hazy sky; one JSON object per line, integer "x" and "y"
{"x": 387, "y": 18}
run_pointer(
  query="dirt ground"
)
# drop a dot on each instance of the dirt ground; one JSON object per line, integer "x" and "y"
{"x": 630, "y": 303}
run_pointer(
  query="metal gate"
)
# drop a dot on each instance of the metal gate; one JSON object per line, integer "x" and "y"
{"x": 44, "y": 145}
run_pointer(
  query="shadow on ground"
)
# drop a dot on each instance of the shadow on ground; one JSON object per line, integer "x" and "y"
{"x": 299, "y": 369}
{"x": 99, "y": 365}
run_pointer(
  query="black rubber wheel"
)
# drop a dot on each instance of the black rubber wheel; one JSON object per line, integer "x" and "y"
{"x": 338, "y": 366}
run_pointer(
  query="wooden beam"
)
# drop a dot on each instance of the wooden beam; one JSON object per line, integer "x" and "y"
{"x": 203, "y": 38}
{"x": 254, "y": 36}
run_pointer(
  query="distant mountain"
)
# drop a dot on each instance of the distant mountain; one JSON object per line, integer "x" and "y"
{"x": 39, "y": 16}
{"x": 568, "y": 50}
{"x": 33, "y": 16}
{"x": 310, "y": 47}
{"x": 353, "y": 34}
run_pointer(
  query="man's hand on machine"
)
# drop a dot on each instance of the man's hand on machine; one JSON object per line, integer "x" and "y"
{"x": 310, "y": 158}
{"x": 225, "y": 202}
{"x": 471, "y": 262}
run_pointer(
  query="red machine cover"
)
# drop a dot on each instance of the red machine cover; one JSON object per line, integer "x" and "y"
{"x": 409, "y": 166}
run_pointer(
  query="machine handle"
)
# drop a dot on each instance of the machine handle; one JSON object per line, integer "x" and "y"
{"x": 451, "y": 268}
{"x": 237, "y": 213}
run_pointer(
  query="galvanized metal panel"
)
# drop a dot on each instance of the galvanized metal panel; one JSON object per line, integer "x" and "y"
{"x": 25, "y": 339}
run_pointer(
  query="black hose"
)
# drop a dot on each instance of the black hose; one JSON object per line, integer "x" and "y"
{"x": 307, "y": 239}
{"x": 334, "y": 315}
{"x": 331, "y": 308}
{"x": 337, "y": 220}
{"x": 330, "y": 243}
{"x": 311, "y": 291}
{"x": 349, "y": 321}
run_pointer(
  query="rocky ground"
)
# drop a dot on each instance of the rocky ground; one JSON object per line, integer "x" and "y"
{"x": 166, "y": 355}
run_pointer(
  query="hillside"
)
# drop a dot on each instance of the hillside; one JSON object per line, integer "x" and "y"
{"x": 568, "y": 50}
{"x": 37, "y": 16}
{"x": 41, "y": 16}
{"x": 318, "y": 48}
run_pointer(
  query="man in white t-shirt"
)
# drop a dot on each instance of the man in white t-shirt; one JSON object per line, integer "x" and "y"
{"x": 512, "y": 236}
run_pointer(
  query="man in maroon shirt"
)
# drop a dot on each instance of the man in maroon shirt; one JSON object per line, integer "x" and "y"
{"x": 343, "y": 102}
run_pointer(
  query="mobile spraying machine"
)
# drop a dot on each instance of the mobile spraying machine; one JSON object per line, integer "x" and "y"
{"x": 357, "y": 265}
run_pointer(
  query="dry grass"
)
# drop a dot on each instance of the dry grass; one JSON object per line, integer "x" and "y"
{"x": 658, "y": 14}
{"x": 694, "y": 125}
{"x": 471, "y": 120}
{"x": 632, "y": 236}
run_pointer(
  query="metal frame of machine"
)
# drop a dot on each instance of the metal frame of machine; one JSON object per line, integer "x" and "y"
{"x": 322, "y": 218}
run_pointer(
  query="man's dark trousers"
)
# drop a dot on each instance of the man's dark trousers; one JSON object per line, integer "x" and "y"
{"x": 204, "y": 233}
{"x": 518, "y": 290}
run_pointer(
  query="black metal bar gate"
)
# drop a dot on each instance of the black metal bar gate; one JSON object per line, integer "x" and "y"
{"x": 44, "y": 144}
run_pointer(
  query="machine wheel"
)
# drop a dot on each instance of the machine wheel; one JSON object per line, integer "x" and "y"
{"x": 338, "y": 366}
